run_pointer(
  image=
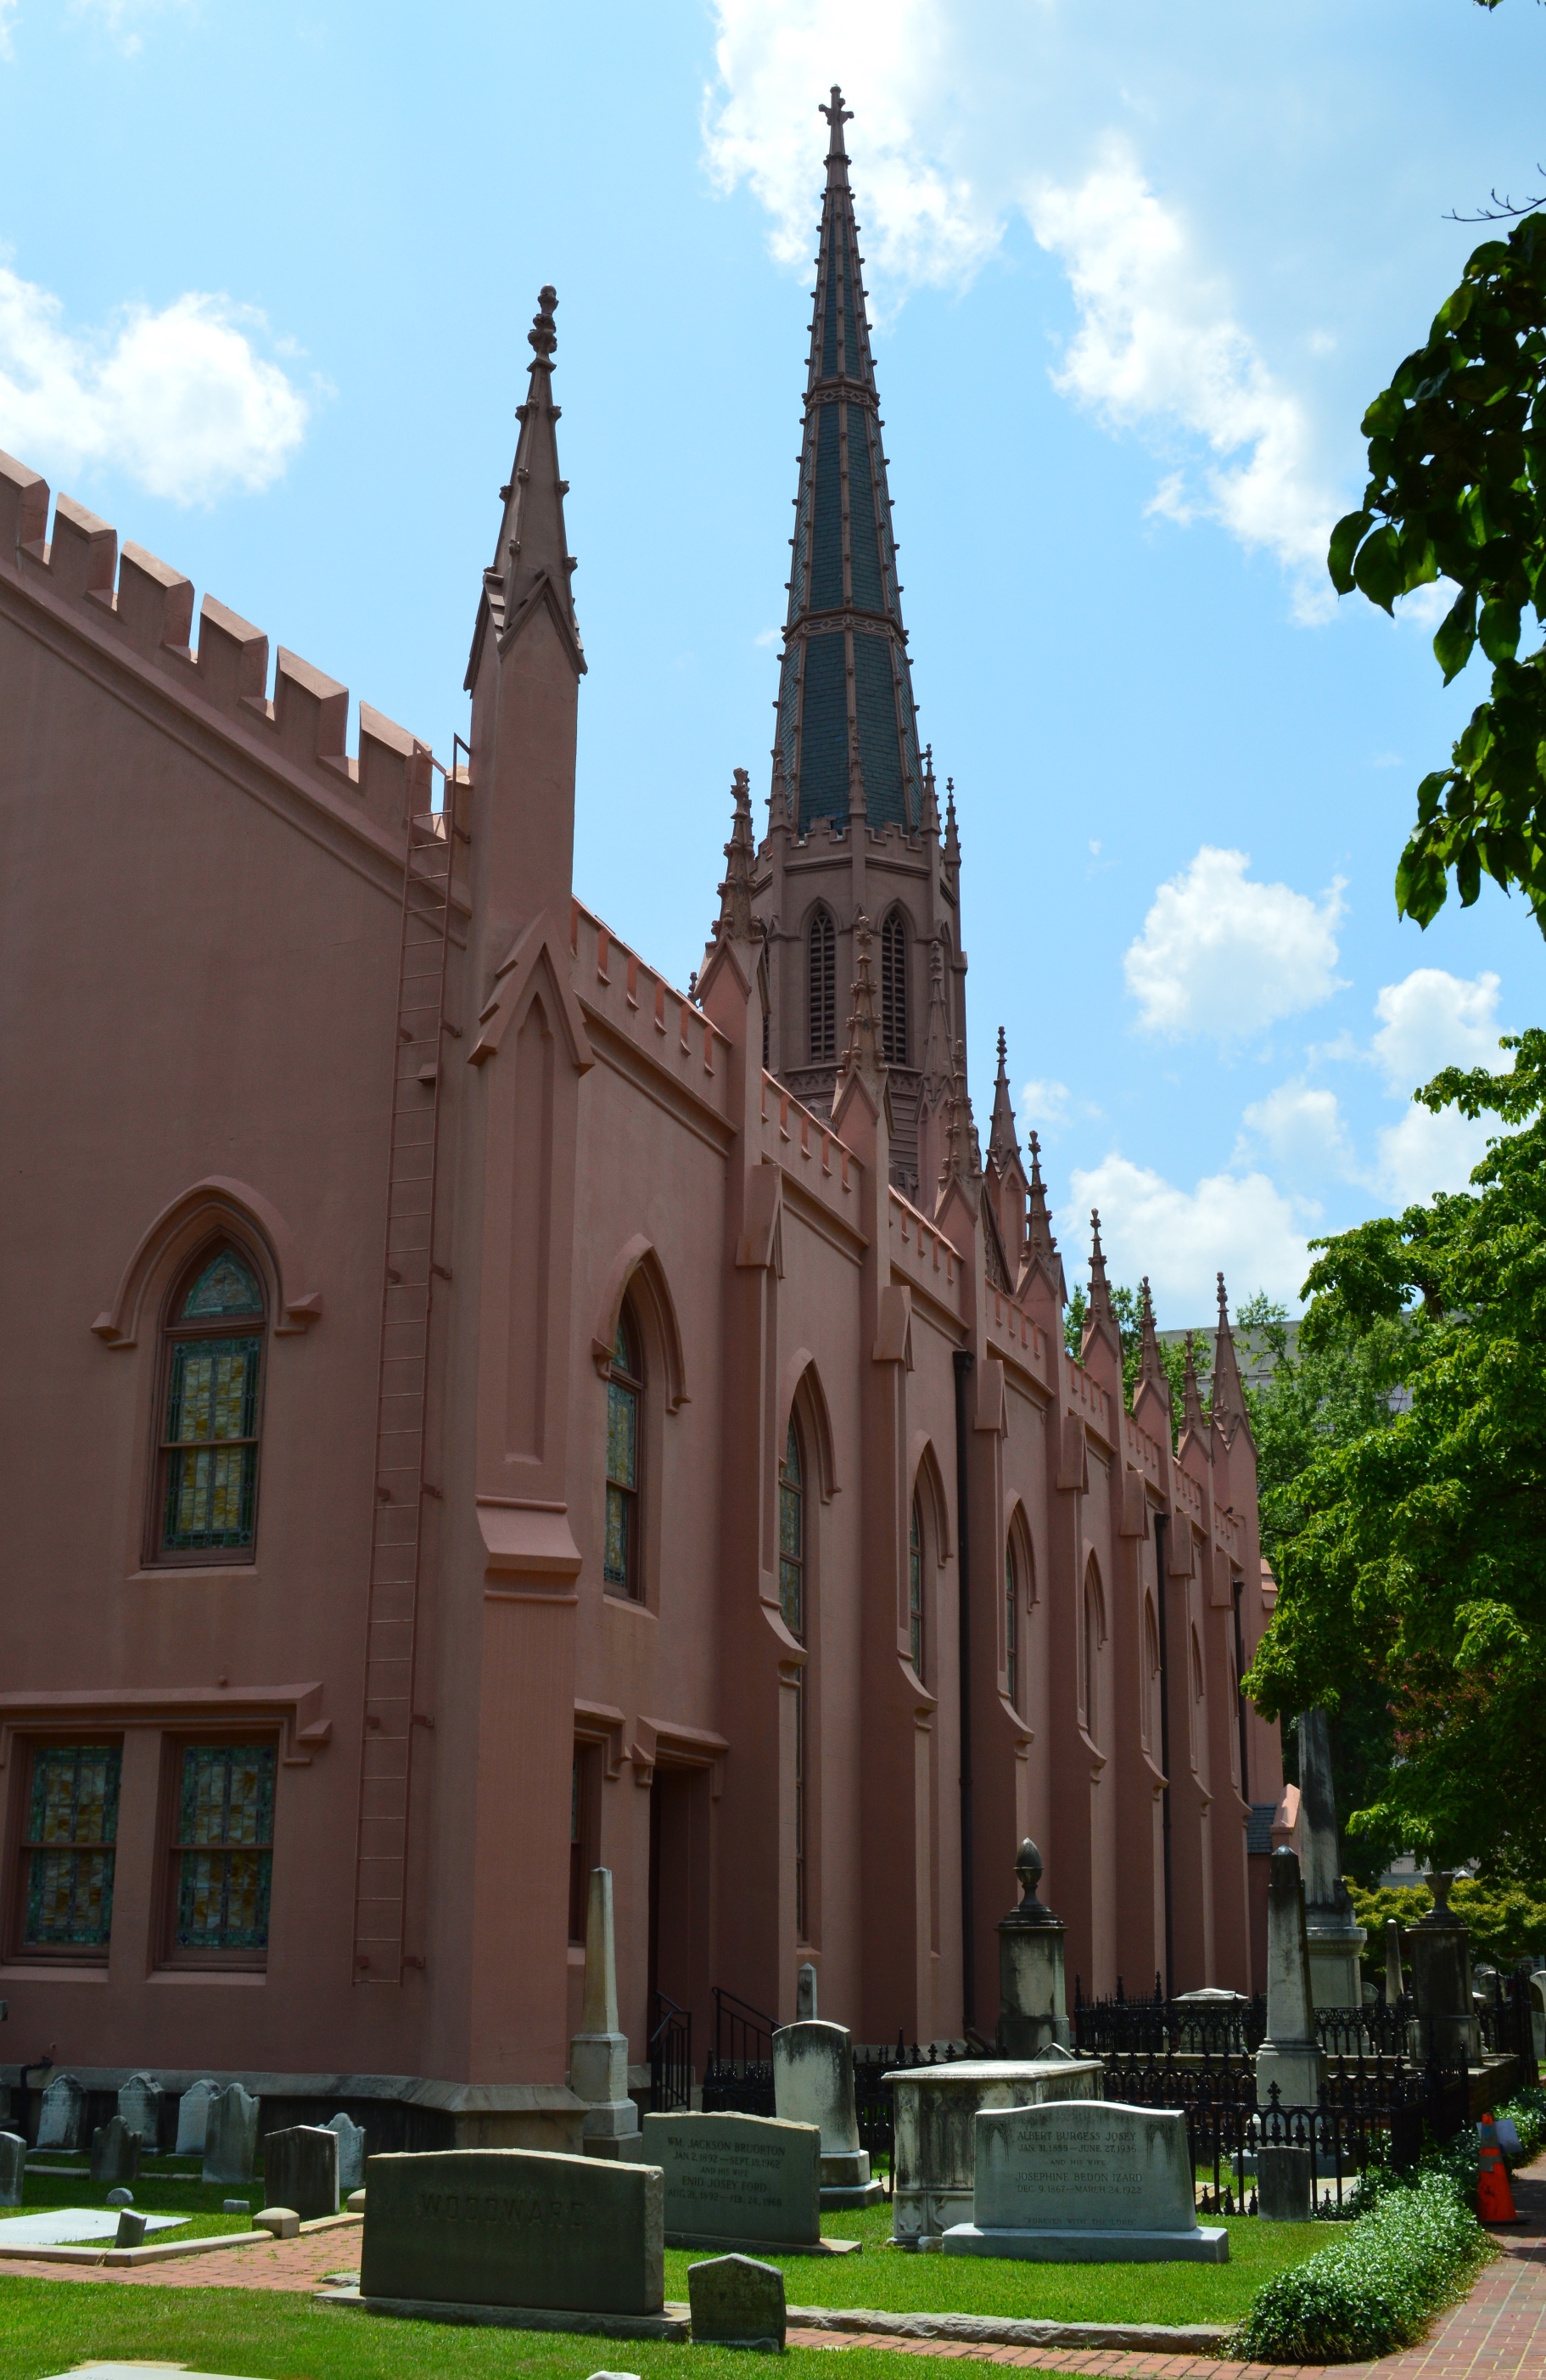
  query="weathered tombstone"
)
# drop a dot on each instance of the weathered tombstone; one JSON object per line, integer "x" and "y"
{"x": 1538, "y": 2014}
{"x": 738, "y": 2181}
{"x": 1033, "y": 2003}
{"x": 599, "y": 2052}
{"x": 806, "y": 1993}
{"x": 122, "y": 2196}
{"x": 62, "y": 2115}
{"x": 737, "y": 2303}
{"x": 933, "y": 2154}
{"x": 301, "y": 2169}
{"x": 193, "y": 2118}
{"x": 351, "y": 2152}
{"x": 1395, "y": 1983}
{"x": 131, "y": 2230}
{"x": 231, "y": 2139}
{"x": 1440, "y": 1949}
{"x": 139, "y": 2106}
{"x": 1290, "y": 2055}
{"x": 13, "y": 2168}
{"x": 1091, "y": 2182}
{"x": 514, "y": 2227}
{"x": 1285, "y": 2187}
{"x": 813, "y": 2083}
{"x": 114, "y": 2153}
{"x": 1334, "y": 1936}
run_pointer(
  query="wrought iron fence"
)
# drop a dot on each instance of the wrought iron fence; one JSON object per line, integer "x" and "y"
{"x": 1157, "y": 2027}
{"x": 670, "y": 2056}
{"x": 1505, "y": 2021}
{"x": 738, "y": 2079}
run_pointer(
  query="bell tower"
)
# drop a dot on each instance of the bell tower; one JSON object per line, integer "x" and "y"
{"x": 853, "y": 827}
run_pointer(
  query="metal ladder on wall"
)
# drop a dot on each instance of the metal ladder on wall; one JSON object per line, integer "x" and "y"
{"x": 409, "y": 1272}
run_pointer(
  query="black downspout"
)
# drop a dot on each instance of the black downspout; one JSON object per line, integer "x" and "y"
{"x": 1161, "y": 1527}
{"x": 963, "y": 1360}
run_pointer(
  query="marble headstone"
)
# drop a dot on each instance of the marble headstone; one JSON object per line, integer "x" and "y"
{"x": 193, "y": 2116}
{"x": 813, "y": 2083}
{"x": 62, "y": 2116}
{"x": 599, "y": 2052}
{"x": 1090, "y": 2181}
{"x": 806, "y": 1993}
{"x": 514, "y": 2227}
{"x": 139, "y": 2106}
{"x": 13, "y": 2166}
{"x": 1290, "y": 2057}
{"x": 300, "y": 2170}
{"x": 738, "y": 2181}
{"x": 231, "y": 2140}
{"x": 131, "y": 2230}
{"x": 351, "y": 2152}
{"x": 737, "y": 2301}
{"x": 115, "y": 2153}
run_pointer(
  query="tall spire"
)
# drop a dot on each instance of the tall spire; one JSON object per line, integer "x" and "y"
{"x": 845, "y": 694}
{"x": 532, "y": 563}
{"x": 1003, "y": 1140}
{"x": 1150, "y": 1364}
{"x": 734, "y": 921}
{"x": 1100, "y": 1320}
{"x": 866, "y": 1053}
{"x": 1227, "y": 1404}
{"x": 1192, "y": 1415}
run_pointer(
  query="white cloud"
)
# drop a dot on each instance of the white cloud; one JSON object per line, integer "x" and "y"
{"x": 182, "y": 399}
{"x": 1240, "y": 1225}
{"x": 1045, "y": 1106}
{"x": 1426, "y": 1152}
{"x": 1158, "y": 349}
{"x": 8, "y": 9}
{"x": 1221, "y": 954}
{"x": 1302, "y": 1126}
{"x": 1432, "y": 1019}
{"x": 121, "y": 19}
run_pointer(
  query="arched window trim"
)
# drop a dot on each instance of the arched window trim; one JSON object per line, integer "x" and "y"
{"x": 821, "y": 986}
{"x": 917, "y": 1596}
{"x": 1017, "y": 1548}
{"x": 622, "y": 1571}
{"x": 218, "y": 1203}
{"x": 638, "y": 1273}
{"x": 179, "y": 1392}
{"x": 893, "y": 988}
{"x": 801, "y": 1391}
{"x": 1152, "y": 1670}
{"x": 1092, "y": 1642}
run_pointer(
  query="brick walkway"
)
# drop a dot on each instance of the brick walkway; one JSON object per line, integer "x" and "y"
{"x": 1498, "y": 2334}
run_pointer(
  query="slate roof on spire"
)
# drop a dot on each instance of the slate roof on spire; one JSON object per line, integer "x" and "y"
{"x": 532, "y": 563}
{"x": 846, "y": 686}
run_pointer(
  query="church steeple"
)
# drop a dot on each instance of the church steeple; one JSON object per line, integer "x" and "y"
{"x": 846, "y": 714}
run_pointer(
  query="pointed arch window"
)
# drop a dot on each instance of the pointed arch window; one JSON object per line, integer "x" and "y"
{"x": 1095, "y": 1636}
{"x": 626, "y": 1387}
{"x": 893, "y": 988}
{"x": 1011, "y": 1625}
{"x": 206, "y": 1505}
{"x": 823, "y": 989}
{"x": 1150, "y": 1677}
{"x": 792, "y": 1607}
{"x": 915, "y": 1590}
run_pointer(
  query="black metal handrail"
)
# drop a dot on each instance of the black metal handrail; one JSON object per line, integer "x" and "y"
{"x": 742, "y": 2035}
{"x": 670, "y": 2056}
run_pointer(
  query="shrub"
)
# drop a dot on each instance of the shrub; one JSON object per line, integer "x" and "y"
{"x": 1377, "y": 2286}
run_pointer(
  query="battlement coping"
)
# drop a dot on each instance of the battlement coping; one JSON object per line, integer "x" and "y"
{"x": 149, "y": 605}
{"x": 603, "y": 962}
{"x": 816, "y": 1135}
{"x": 927, "y": 1242}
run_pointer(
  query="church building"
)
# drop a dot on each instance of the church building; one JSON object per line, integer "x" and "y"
{"x": 478, "y": 1411}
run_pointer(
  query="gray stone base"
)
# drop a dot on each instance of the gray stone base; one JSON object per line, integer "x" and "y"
{"x": 628, "y": 2147}
{"x": 1003, "y": 2330}
{"x": 672, "y": 2324}
{"x": 863, "y": 2194}
{"x": 1207, "y": 2245}
{"x": 766, "y": 2247}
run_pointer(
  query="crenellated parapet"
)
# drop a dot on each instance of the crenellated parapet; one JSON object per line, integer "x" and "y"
{"x": 146, "y": 607}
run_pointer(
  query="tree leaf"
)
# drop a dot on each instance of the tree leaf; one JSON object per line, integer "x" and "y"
{"x": 1499, "y": 630}
{"x": 1456, "y": 635}
{"x": 1345, "y": 539}
{"x": 1378, "y": 568}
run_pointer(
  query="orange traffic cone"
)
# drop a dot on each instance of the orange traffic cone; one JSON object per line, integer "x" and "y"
{"x": 1495, "y": 2200}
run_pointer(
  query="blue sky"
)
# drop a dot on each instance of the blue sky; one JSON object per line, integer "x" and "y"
{"x": 265, "y": 278}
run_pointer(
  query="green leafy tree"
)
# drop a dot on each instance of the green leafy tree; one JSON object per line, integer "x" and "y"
{"x": 1412, "y": 1557}
{"x": 1506, "y": 1920}
{"x": 1125, "y": 1306}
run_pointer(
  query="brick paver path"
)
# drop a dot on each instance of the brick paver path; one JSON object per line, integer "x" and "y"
{"x": 1498, "y": 2334}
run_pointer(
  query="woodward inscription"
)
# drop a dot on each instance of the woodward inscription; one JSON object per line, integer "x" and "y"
{"x": 514, "y": 2227}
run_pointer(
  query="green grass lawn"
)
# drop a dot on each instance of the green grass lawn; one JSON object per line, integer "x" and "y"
{"x": 163, "y": 2190}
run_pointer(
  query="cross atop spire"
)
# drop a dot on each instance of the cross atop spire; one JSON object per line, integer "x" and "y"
{"x": 847, "y": 727}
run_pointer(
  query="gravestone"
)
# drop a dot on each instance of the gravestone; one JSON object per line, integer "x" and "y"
{"x": 122, "y": 2196}
{"x": 1290, "y": 2057}
{"x": 131, "y": 2230}
{"x": 737, "y": 2303}
{"x": 351, "y": 2152}
{"x": 813, "y": 2083}
{"x": 12, "y": 2166}
{"x": 115, "y": 2153}
{"x": 1033, "y": 2003}
{"x": 738, "y": 2181}
{"x": 599, "y": 2052}
{"x": 1091, "y": 2182}
{"x": 934, "y": 2158}
{"x": 514, "y": 2227}
{"x": 139, "y": 2106}
{"x": 1439, "y": 1946}
{"x": 231, "y": 2139}
{"x": 193, "y": 2118}
{"x": 806, "y": 1993}
{"x": 1396, "y": 1985}
{"x": 301, "y": 2169}
{"x": 62, "y": 2116}
{"x": 1334, "y": 1936}
{"x": 1285, "y": 2185}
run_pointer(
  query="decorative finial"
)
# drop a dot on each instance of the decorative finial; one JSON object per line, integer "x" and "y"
{"x": 735, "y": 892}
{"x": 836, "y": 115}
{"x": 542, "y": 336}
{"x": 1003, "y": 1047}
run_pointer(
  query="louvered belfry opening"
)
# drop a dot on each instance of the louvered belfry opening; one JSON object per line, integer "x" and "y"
{"x": 846, "y": 689}
{"x": 823, "y": 989}
{"x": 893, "y": 989}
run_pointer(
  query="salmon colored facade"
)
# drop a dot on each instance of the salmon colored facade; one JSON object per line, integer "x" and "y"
{"x": 475, "y": 1410}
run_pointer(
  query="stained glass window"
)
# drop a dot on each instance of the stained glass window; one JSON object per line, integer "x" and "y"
{"x": 1011, "y": 1624}
{"x": 225, "y": 1847}
{"x": 72, "y": 1824}
{"x": 624, "y": 1392}
{"x": 792, "y": 1537}
{"x": 915, "y": 1589}
{"x": 210, "y": 1441}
